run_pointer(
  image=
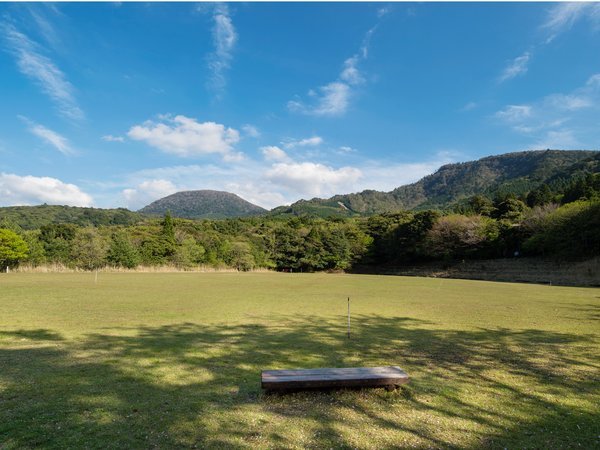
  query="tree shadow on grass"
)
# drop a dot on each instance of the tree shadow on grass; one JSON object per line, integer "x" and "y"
{"x": 35, "y": 335}
{"x": 198, "y": 385}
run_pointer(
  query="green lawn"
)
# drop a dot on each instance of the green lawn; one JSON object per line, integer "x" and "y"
{"x": 174, "y": 360}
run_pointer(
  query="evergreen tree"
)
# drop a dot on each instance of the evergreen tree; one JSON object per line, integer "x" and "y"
{"x": 167, "y": 238}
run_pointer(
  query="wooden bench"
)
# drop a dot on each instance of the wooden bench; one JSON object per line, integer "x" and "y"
{"x": 388, "y": 376}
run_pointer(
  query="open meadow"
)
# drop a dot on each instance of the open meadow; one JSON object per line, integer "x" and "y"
{"x": 141, "y": 360}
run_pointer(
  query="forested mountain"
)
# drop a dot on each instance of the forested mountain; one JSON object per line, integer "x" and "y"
{"x": 560, "y": 218}
{"x": 516, "y": 173}
{"x": 204, "y": 204}
{"x": 449, "y": 188}
{"x": 33, "y": 217}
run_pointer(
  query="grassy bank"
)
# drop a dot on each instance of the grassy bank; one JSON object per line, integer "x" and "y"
{"x": 171, "y": 360}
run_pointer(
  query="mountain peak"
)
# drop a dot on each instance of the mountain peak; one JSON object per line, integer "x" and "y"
{"x": 203, "y": 204}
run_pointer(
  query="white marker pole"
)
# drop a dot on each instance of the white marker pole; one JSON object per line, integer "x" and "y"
{"x": 348, "y": 317}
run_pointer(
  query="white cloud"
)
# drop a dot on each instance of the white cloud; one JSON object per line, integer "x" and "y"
{"x": 593, "y": 81}
{"x": 562, "y": 16}
{"x": 344, "y": 150}
{"x": 308, "y": 142}
{"x": 383, "y": 11}
{"x": 385, "y": 177}
{"x": 514, "y": 113}
{"x": 568, "y": 102}
{"x": 184, "y": 136}
{"x": 234, "y": 157}
{"x": 560, "y": 120}
{"x": 245, "y": 180}
{"x": 146, "y": 192}
{"x": 313, "y": 178}
{"x": 274, "y": 153}
{"x": 272, "y": 183}
{"x": 111, "y": 138}
{"x": 251, "y": 131}
{"x": 333, "y": 99}
{"x": 43, "y": 71}
{"x": 469, "y": 107}
{"x": 557, "y": 139}
{"x": 45, "y": 26}
{"x": 350, "y": 72}
{"x": 224, "y": 39}
{"x": 57, "y": 141}
{"x": 30, "y": 190}
{"x": 517, "y": 67}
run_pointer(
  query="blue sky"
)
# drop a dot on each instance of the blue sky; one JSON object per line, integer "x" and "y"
{"x": 119, "y": 104}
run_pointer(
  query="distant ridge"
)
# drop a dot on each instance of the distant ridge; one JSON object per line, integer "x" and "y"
{"x": 517, "y": 172}
{"x": 32, "y": 217}
{"x": 203, "y": 204}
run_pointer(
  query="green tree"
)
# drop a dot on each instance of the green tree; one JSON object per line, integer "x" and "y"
{"x": 167, "y": 237}
{"x": 56, "y": 239}
{"x": 88, "y": 249}
{"x": 37, "y": 254}
{"x": 121, "y": 251}
{"x": 540, "y": 196}
{"x": 481, "y": 205}
{"x": 188, "y": 253}
{"x": 313, "y": 254}
{"x": 509, "y": 208}
{"x": 239, "y": 256}
{"x": 457, "y": 236}
{"x": 288, "y": 248}
{"x": 573, "y": 230}
{"x": 13, "y": 248}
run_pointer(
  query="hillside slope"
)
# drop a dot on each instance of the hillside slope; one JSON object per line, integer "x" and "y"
{"x": 32, "y": 217}
{"x": 517, "y": 172}
{"x": 204, "y": 204}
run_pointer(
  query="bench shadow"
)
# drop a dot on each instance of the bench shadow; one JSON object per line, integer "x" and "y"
{"x": 198, "y": 385}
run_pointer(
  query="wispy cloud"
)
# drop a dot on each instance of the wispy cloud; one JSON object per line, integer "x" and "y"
{"x": 383, "y": 11}
{"x": 50, "y": 137}
{"x": 251, "y": 131}
{"x": 224, "y": 39}
{"x": 307, "y": 142}
{"x": 516, "y": 67}
{"x": 111, "y": 138}
{"x": 556, "y": 139}
{"x": 44, "y": 25}
{"x": 562, "y": 16}
{"x": 469, "y": 106}
{"x": 514, "y": 113}
{"x": 333, "y": 99}
{"x": 42, "y": 70}
{"x": 274, "y": 153}
{"x": 560, "y": 120}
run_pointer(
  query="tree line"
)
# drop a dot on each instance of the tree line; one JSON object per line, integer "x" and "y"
{"x": 548, "y": 221}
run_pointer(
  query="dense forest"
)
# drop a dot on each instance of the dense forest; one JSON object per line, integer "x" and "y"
{"x": 558, "y": 220}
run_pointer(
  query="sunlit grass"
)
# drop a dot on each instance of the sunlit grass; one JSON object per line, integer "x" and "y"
{"x": 171, "y": 360}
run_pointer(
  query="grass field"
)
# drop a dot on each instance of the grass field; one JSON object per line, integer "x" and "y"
{"x": 174, "y": 360}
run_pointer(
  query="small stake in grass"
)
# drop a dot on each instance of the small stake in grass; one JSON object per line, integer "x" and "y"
{"x": 348, "y": 317}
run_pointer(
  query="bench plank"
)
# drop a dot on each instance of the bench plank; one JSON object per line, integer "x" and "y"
{"x": 333, "y": 377}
